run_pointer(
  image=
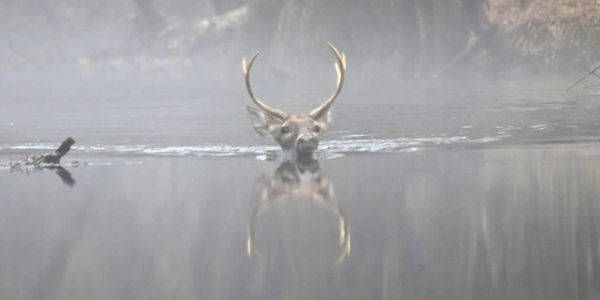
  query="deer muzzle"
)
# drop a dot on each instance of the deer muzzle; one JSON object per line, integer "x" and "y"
{"x": 307, "y": 144}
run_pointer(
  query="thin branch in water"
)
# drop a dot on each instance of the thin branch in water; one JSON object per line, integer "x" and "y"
{"x": 590, "y": 73}
{"x": 591, "y": 86}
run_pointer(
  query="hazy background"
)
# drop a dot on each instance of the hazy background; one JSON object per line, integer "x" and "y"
{"x": 194, "y": 44}
{"x": 463, "y": 167}
{"x": 158, "y": 71}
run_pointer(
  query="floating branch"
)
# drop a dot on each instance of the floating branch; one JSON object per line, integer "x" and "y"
{"x": 590, "y": 73}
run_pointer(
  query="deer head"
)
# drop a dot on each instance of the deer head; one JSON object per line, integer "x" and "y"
{"x": 300, "y": 132}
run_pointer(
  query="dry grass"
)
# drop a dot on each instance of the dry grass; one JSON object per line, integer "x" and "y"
{"x": 556, "y": 32}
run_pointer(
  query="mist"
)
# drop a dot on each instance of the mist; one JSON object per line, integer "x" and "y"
{"x": 458, "y": 160}
{"x": 197, "y": 46}
{"x": 89, "y": 63}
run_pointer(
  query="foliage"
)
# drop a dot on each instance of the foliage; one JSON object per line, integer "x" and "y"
{"x": 556, "y": 33}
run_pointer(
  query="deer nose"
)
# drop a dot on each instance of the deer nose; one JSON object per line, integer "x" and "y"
{"x": 307, "y": 143}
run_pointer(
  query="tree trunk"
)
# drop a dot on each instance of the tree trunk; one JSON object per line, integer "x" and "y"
{"x": 152, "y": 21}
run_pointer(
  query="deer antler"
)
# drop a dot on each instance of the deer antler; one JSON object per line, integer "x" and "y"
{"x": 246, "y": 70}
{"x": 340, "y": 69}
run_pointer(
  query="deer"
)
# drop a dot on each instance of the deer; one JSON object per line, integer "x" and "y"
{"x": 297, "y": 133}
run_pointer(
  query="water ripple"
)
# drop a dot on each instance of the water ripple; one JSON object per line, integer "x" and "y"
{"x": 346, "y": 144}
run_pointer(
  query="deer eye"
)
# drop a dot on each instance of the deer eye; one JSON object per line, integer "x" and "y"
{"x": 284, "y": 130}
{"x": 316, "y": 128}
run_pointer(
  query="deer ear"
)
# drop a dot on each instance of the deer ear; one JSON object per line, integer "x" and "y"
{"x": 324, "y": 120}
{"x": 263, "y": 123}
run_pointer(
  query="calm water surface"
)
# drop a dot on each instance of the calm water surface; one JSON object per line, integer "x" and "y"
{"x": 504, "y": 223}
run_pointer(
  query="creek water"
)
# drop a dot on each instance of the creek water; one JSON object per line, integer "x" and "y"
{"x": 440, "y": 195}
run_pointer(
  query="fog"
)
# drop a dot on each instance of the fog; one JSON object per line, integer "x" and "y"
{"x": 195, "y": 45}
{"x": 456, "y": 166}
{"x": 121, "y": 71}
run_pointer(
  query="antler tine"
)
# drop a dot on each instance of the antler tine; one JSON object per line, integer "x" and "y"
{"x": 246, "y": 67}
{"x": 340, "y": 69}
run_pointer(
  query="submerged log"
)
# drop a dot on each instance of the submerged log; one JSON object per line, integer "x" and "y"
{"x": 64, "y": 175}
{"x": 54, "y": 157}
{"x": 49, "y": 161}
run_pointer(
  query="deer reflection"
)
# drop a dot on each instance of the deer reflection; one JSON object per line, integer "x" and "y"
{"x": 298, "y": 180}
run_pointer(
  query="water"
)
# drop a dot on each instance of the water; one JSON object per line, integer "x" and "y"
{"x": 506, "y": 223}
{"x": 430, "y": 194}
{"x": 167, "y": 122}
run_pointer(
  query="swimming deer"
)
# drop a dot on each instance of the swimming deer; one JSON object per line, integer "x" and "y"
{"x": 300, "y": 132}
